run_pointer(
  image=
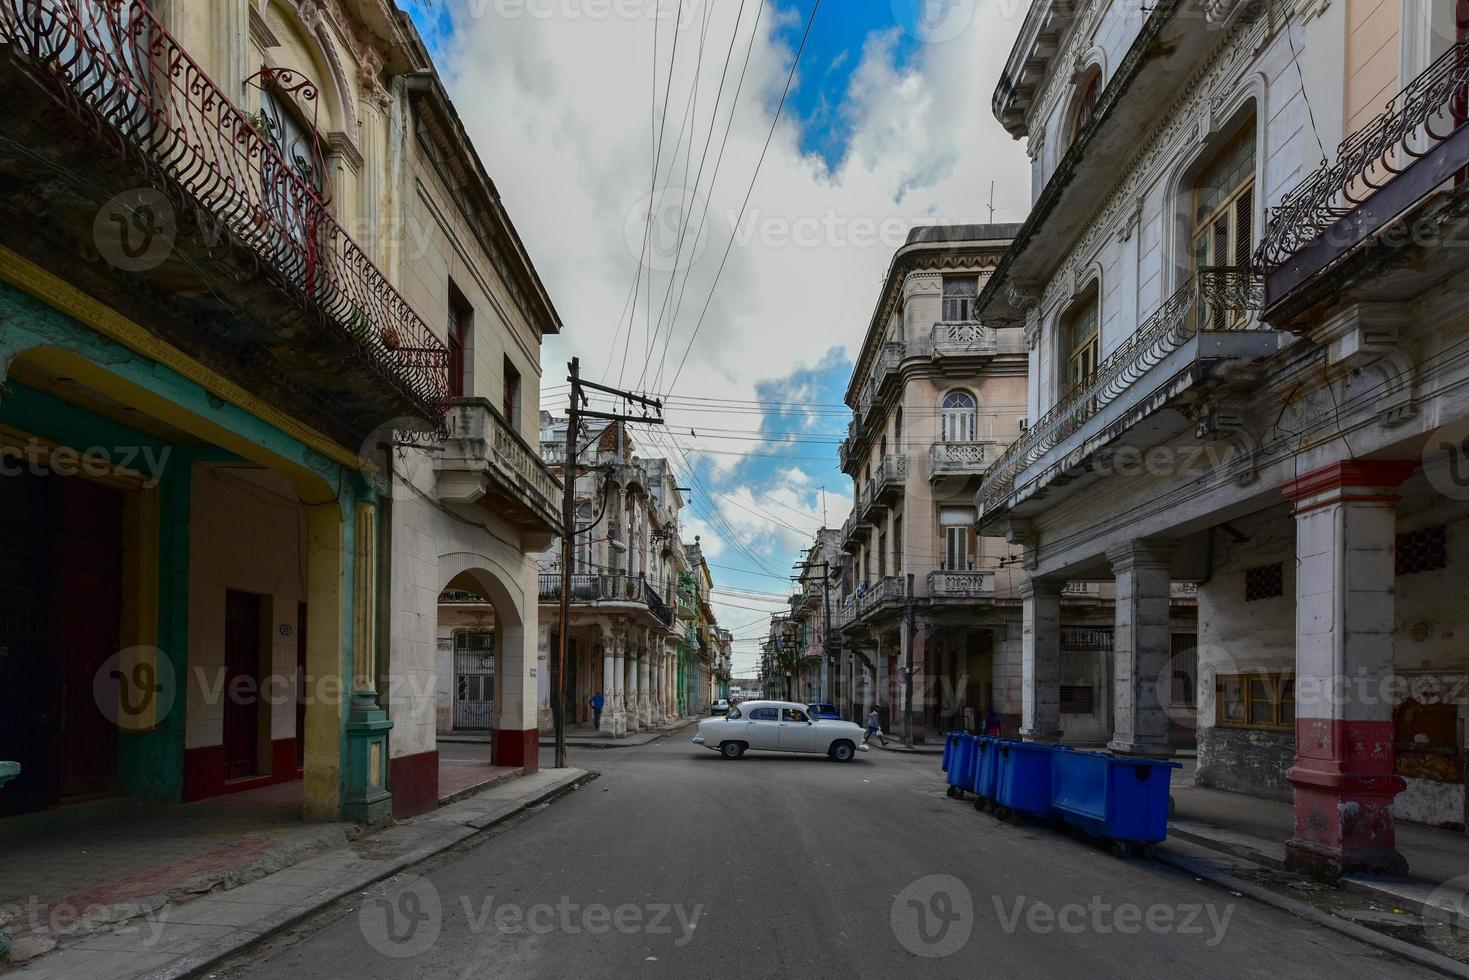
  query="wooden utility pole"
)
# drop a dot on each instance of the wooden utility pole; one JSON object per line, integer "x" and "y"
{"x": 575, "y": 413}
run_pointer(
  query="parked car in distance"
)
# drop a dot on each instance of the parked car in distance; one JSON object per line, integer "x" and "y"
{"x": 719, "y": 707}
{"x": 779, "y": 726}
{"x": 824, "y": 710}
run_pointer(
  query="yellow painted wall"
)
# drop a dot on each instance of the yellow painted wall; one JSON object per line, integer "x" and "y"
{"x": 1371, "y": 58}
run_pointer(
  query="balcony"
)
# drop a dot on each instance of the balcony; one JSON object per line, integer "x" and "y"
{"x": 253, "y": 276}
{"x": 615, "y": 591}
{"x": 885, "y": 368}
{"x": 1209, "y": 322}
{"x": 961, "y": 458}
{"x": 855, "y": 531}
{"x": 1414, "y": 153}
{"x": 483, "y": 461}
{"x": 945, "y": 585}
{"x": 885, "y": 596}
{"x": 885, "y": 486}
{"x": 962, "y": 339}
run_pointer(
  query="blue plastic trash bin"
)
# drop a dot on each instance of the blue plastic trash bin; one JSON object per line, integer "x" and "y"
{"x": 1023, "y": 782}
{"x": 986, "y": 766}
{"x": 1121, "y": 798}
{"x": 959, "y": 764}
{"x": 950, "y": 740}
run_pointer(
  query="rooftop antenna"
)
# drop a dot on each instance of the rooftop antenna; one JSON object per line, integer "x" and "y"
{"x": 992, "y": 202}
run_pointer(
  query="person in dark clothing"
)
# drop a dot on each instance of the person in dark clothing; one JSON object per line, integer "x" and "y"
{"x": 596, "y": 701}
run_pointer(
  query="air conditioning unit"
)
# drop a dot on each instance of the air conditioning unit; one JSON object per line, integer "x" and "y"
{"x": 1024, "y": 423}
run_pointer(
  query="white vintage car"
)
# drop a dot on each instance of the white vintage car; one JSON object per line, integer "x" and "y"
{"x": 778, "y": 726}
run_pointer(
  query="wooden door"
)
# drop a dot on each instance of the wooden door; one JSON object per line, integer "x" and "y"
{"x": 242, "y": 676}
{"x": 87, "y": 614}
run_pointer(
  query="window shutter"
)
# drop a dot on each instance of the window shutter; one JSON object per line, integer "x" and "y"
{"x": 1244, "y": 227}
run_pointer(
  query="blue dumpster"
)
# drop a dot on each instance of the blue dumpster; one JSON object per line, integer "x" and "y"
{"x": 1120, "y": 798}
{"x": 959, "y": 762}
{"x": 950, "y": 740}
{"x": 985, "y": 768}
{"x": 1023, "y": 782}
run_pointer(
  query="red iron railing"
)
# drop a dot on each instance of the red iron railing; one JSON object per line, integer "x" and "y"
{"x": 114, "y": 66}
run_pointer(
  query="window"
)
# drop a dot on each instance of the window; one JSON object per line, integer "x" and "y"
{"x": 1264, "y": 582}
{"x": 512, "y": 394}
{"x": 1224, "y": 205}
{"x": 1257, "y": 701}
{"x": 1077, "y": 700}
{"x": 734, "y": 713}
{"x": 898, "y": 545}
{"x": 960, "y": 417}
{"x": 1185, "y": 667}
{"x": 1426, "y": 550}
{"x": 959, "y": 296}
{"x": 882, "y": 555}
{"x": 764, "y": 714}
{"x": 1083, "y": 342}
{"x": 956, "y": 548}
{"x": 1084, "y": 106}
{"x": 793, "y": 714}
{"x": 461, "y": 323}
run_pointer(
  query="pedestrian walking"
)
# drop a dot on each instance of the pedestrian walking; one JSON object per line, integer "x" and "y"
{"x": 874, "y": 728}
{"x": 596, "y": 701}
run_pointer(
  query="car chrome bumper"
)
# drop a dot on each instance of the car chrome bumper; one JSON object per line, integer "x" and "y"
{"x": 698, "y": 739}
{"x": 864, "y": 748}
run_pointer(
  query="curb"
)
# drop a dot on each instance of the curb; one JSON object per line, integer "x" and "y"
{"x": 1415, "y": 954}
{"x": 200, "y": 959}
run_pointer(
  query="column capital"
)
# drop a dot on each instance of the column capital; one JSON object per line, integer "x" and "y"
{"x": 1041, "y": 588}
{"x": 1141, "y": 553}
{"x": 1358, "y": 480}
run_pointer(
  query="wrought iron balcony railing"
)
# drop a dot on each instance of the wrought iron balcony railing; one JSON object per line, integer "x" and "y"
{"x": 587, "y": 588}
{"x": 113, "y": 64}
{"x": 1419, "y": 142}
{"x": 1222, "y": 299}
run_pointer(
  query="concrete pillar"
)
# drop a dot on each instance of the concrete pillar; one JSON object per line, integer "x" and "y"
{"x": 609, "y": 683}
{"x": 645, "y": 700}
{"x": 1040, "y": 655}
{"x": 1007, "y": 674}
{"x": 1141, "y": 648}
{"x": 619, "y": 682}
{"x": 1343, "y": 774}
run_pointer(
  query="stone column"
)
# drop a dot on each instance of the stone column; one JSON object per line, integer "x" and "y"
{"x": 1141, "y": 648}
{"x": 1040, "y": 655}
{"x": 619, "y": 681}
{"x": 630, "y": 683}
{"x": 645, "y": 696}
{"x": 1343, "y": 775}
{"x": 609, "y": 683}
{"x": 1007, "y": 674}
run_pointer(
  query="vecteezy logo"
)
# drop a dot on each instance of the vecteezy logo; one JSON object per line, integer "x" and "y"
{"x": 1446, "y": 460}
{"x": 135, "y": 688}
{"x": 666, "y": 231}
{"x": 933, "y": 916}
{"x": 933, "y": 21}
{"x": 405, "y": 922}
{"x": 135, "y": 230}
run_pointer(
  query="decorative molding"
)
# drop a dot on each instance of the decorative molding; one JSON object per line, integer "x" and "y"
{"x": 260, "y": 31}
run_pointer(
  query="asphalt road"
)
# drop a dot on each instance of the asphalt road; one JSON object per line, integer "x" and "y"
{"x": 677, "y": 863}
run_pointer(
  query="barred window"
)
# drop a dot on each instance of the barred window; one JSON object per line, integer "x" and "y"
{"x": 1265, "y": 582}
{"x": 1426, "y": 550}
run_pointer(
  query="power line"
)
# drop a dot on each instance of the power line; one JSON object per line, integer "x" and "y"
{"x": 734, "y": 232}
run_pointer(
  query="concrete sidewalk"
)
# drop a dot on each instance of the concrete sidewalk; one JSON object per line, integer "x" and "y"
{"x": 172, "y": 934}
{"x": 1238, "y": 842}
{"x": 586, "y": 738}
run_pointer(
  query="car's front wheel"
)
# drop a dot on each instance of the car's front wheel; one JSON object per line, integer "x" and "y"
{"x": 732, "y": 750}
{"x": 842, "y": 752}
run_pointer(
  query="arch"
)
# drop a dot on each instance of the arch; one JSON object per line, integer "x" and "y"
{"x": 1086, "y": 92}
{"x": 310, "y": 34}
{"x": 958, "y": 416}
{"x": 1234, "y": 113}
{"x": 482, "y": 575}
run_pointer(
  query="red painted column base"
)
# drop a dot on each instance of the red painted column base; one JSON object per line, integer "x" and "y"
{"x": 516, "y": 748}
{"x": 1343, "y": 818}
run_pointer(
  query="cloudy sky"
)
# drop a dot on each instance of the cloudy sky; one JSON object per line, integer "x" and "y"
{"x": 745, "y": 325}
